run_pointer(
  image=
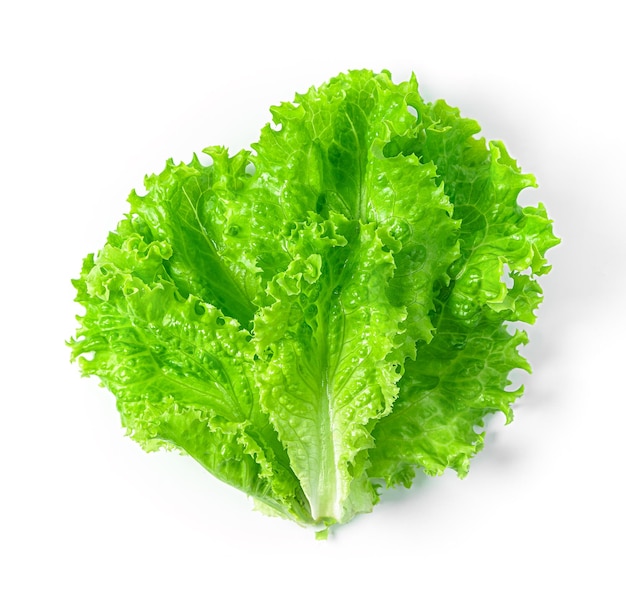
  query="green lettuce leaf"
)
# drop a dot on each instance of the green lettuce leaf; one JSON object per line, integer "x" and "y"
{"x": 327, "y": 338}
{"x": 463, "y": 374}
{"x": 180, "y": 369}
{"x": 326, "y": 153}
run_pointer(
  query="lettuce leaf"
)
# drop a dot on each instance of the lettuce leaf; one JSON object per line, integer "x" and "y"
{"x": 326, "y": 311}
{"x": 462, "y": 376}
{"x": 328, "y": 336}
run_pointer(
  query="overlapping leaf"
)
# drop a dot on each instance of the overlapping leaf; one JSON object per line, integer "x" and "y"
{"x": 180, "y": 369}
{"x": 328, "y": 336}
{"x": 441, "y": 398}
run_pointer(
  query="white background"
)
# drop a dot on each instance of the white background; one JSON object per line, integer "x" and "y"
{"x": 95, "y": 95}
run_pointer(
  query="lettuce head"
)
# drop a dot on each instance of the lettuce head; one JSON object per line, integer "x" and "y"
{"x": 325, "y": 314}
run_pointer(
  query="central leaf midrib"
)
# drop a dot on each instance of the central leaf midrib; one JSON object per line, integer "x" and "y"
{"x": 361, "y": 203}
{"x": 327, "y": 482}
{"x": 327, "y": 501}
